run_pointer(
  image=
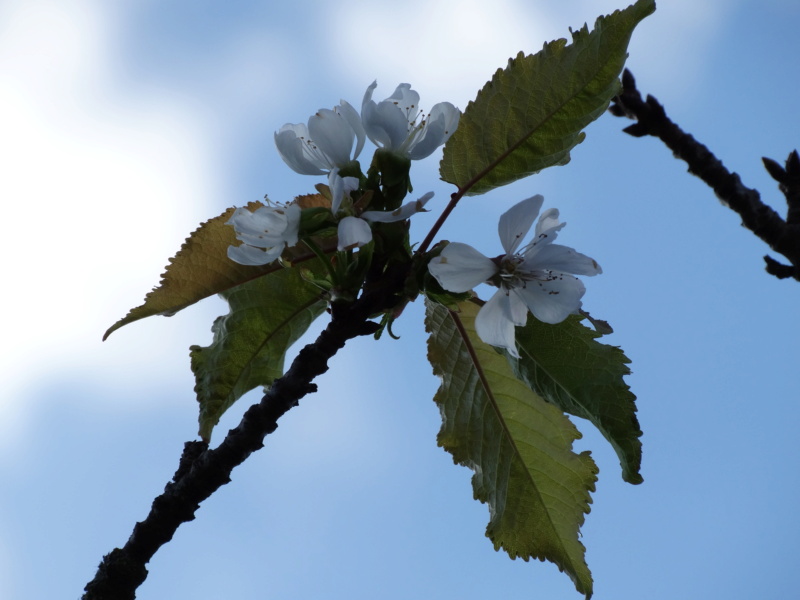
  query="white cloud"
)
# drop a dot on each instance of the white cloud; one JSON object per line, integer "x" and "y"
{"x": 672, "y": 49}
{"x": 448, "y": 48}
{"x": 100, "y": 186}
{"x": 438, "y": 46}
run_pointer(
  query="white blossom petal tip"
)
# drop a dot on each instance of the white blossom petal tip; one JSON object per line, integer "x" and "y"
{"x": 516, "y": 222}
{"x": 264, "y": 233}
{"x": 494, "y": 324}
{"x": 341, "y": 188}
{"x": 397, "y": 124}
{"x": 353, "y": 233}
{"x": 325, "y": 143}
{"x": 460, "y": 267}
{"x": 399, "y": 214}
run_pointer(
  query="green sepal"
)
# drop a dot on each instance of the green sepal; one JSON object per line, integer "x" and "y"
{"x": 313, "y": 221}
{"x": 388, "y": 177}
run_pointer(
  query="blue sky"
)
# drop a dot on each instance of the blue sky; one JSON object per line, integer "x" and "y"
{"x": 126, "y": 124}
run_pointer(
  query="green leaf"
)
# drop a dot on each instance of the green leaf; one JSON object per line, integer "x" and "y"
{"x": 530, "y": 115}
{"x": 518, "y": 445}
{"x": 200, "y": 269}
{"x": 566, "y": 366}
{"x": 250, "y": 342}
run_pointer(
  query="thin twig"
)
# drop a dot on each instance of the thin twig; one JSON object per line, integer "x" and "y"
{"x": 783, "y": 236}
{"x": 454, "y": 198}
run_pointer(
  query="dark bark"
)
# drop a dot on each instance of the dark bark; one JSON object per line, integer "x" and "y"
{"x": 783, "y": 236}
{"x": 202, "y": 470}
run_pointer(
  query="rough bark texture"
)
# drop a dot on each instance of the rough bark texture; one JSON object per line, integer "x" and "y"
{"x": 202, "y": 471}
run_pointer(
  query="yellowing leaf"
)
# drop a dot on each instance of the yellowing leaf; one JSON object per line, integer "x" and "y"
{"x": 313, "y": 201}
{"x": 200, "y": 269}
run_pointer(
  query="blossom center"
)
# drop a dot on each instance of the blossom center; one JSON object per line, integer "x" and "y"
{"x": 513, "y": 275}
{"x": 415, "y": 129}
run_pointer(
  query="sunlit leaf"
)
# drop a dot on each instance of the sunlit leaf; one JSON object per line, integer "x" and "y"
{"x": 518, "y": 445}
{"x": 532, "y": 113}
{"x": 200, "y": 269}
{"x": 568, "y": 367}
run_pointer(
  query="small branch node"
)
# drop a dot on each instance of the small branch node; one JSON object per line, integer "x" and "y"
{"x": 779, "y": 270}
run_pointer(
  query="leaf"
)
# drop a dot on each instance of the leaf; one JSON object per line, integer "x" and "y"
{"x": 566, "y": 366}
{"x": 250, "y": 342}
{"x": 200, "y": 269}
{"x": 530, "y": 115}
{"x": 518, "y": 445}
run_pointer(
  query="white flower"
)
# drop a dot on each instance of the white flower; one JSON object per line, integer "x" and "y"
{"x": 340, "y": 187}
{"x": 354, "y": 232}
{"x": 536, "y": 279}
{"x": 326, "y": 143}
{"x": 396, "y": 123}
{"x": 265, "y": 233}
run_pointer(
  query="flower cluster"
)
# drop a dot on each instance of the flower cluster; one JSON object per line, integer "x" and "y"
{"x": 537, "y": 278}
{"x": 330, "y": 142}
{"x": 264, "y": 233}
{"x": 354, "y": 232}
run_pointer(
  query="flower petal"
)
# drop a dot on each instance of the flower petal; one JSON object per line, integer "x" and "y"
{"x": 460, "y": 267}
{"x": 555, "y": 257}
{"x": 268, "y": 227}
{"x": 292, "y": 143}
{"x": 351, "y": 115}
{"x": 263, "y": 228}
{"x": 516, "y": 222}
{"x": 291, "y": 233}
{"x": 517, "y": 310}
{"x": 340, "y": 187}
{"x": 406, "y": 100}
{"x": 439, "y": 126}
{"x": 256, "y": 222}
{"x": 451, "y": 116}
{"x": 426, "y": 140}
{"x": 548, "y": 220}
{"x": 547, "y": 228}
{"x": 353, "y": 233}
{"x": 399, "y": 214}
{"x": 494, "y": 325}
{"x": 385, "y": 124}
{"x": 333, "y": 135}
{"x": 248, "y": 255}
{"x": 368, "y": 94}
{"x": 390, "y": 127}
{"x": 554, "y": 299}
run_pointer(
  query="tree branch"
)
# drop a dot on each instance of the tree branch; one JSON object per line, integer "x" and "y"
{"x": 783, "y": 236}
{"x": 202, "y": 471}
